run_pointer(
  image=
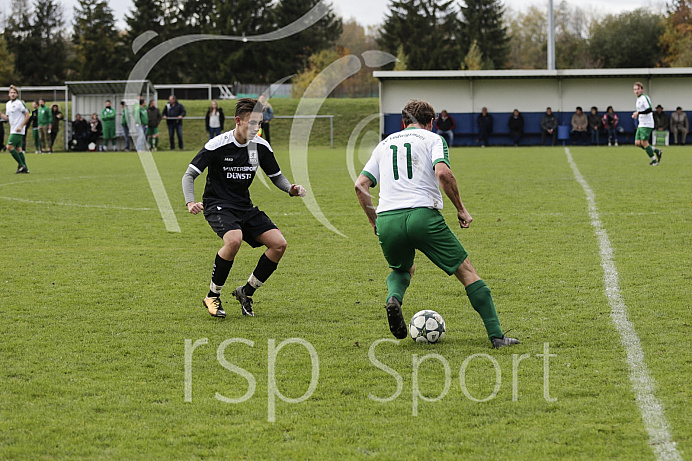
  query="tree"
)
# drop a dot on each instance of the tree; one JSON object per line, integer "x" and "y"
{"x": 99, "y": 50}
{"x": 146, "y": 15}
{"x": 36, "y": 36}
{"x": 484, "y": 25}
{"x": 428, "y": 31}
{"x": 572, "y": 25}
{"x": 287, "y": 56}
{"x": 317, "y": 63}
{"x": 676, "y": 40}
{"x": 528, "y": 43}
{"x": 7, "y": 71}
{"x": 641, "y": 49}
{"x": 473, "y": 59}
{"x": 401, "y": 59}
{"x": 355, "y": 40}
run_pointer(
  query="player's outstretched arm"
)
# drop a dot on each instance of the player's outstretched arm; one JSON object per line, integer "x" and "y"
{"x": 363, "y": 185}
{"x": 448, "y": 183}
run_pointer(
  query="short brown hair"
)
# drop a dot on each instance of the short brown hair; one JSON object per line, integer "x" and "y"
{"x": 247, "y": 105}
{"x": 12, "y": 87}
{"x": 417, "y": 111}
{"x": 639, "y": 84}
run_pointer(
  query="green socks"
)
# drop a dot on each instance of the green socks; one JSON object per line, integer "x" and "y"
{"x": 650, "y": 151}
{"x": 22, "y": 158}
{"x": 16, "y": 157}
{"x": 482, "y": 302}
{"x": 397, "y": 283}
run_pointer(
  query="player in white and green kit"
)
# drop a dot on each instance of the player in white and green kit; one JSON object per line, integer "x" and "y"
{"x": 18, "y": 116}
{"x": 644, "y": 114}
{"x": 410, "y": 166}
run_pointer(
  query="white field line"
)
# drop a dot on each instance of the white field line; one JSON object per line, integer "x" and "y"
{"x": 643, "y": 384}
{"x": 159, "y": 191}
{"x": 76, "y": 205}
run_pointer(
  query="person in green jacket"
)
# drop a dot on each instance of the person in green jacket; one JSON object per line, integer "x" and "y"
{"x": 108, "y": 122}
{"x": 142, "y": 122}
{"x": 45, "y": 119}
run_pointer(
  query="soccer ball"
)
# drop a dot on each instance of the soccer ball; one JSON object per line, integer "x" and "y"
{"x": 427, "y": 326}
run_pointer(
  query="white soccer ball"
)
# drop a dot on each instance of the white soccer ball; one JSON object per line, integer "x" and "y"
{"x": 427, "y": 326}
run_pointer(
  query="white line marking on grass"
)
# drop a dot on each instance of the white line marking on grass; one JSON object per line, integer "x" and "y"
{"x": 43, "y": 202}
{"x": 159, "y": 191}
{"x": 644, "y": 385}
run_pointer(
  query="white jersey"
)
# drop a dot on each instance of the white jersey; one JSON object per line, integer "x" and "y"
{"x": 15, "y": 111}
{"x": 645, "y": 120}
{"x": 404, "y": 166}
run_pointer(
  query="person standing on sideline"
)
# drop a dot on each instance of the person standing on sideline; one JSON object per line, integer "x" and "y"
{"x": 214, "y": 120}
{"x": 549, "y": 127}
{"x": 154, "y": 115}
{"x": 610, "y": 123}
{"x": 595, "y": 126}
{"x": 33, "y": 124}
{"x": 410, "y": 167}
{"x": 644, "y": 114}
{"x": 123, "y": 123}
{"x": 445, "y": 125}
{"x": 485, "y": 126}
{"x": 233, "y": 159}
{"x": 516, "y": 127}
{"x": 142, "y": 125}
{"x": 679, "y": 123}
{"x": 18, "y": 116}
{"x": 267, "y": 116}
{"x": 108, "y": 122}
{"x": 173, "y": 114}
{"x": 56, "y": 119}
{"x": 45, "y": 118}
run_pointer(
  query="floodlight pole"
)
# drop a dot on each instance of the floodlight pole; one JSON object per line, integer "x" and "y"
{"x": 551, "y": 36}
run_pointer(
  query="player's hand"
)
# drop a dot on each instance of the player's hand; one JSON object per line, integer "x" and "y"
{"x": 18, "y": 130}
{"x": 195, "y": 207}
{"x": 464, "y": 219}
{"x": 635, "y": 114}
{"x": 297, "y": 190}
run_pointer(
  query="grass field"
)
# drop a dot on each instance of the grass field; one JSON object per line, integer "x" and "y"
{"x": 99, "y": 300}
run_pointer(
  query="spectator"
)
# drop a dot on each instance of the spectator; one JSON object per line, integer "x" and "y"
{"x": 594, "y": 126}
{"x": 141, "y": 124}
{"x": 661, "y": 122}
{"x": 56, "y": 120}
{"x": 579, "y": 126}
{"x": 173, "y": 113}
{"x": 154, "y": 115}
{"x": 45, "y": 118}
{"x": 108, "y": 123}
{"x": 267, "y": 116}
{"x": 95, "y": 131}
{"x": 445, "y": 127}
{"x": 679, "y": 124}
{"x": 214, "y": 120}
{"x": 610, "y": 123}
{"x": 123, "y": 123}
{"x": 549, "y": 127}
{"x": 33, "y": 122}
{"x": 80, "y": 134}
{"x": 485, "y": 126}
{"x": 516, "y": 126}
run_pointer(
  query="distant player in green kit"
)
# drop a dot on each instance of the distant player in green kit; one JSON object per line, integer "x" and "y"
{"x": 108, "y": 122}
{"x": 646, "y": 125}
{"x": 18, "y": 115}
{"x": 410, "y": 167}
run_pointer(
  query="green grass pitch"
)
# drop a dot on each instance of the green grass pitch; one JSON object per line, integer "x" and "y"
{"x": 98, "y": 300}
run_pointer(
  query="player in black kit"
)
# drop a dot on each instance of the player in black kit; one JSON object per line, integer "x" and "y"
{"x": 233, "y": 158}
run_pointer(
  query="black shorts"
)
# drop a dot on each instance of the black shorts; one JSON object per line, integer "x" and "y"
{"x": 252, "y": 222}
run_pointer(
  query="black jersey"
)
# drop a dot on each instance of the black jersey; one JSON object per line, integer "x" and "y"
{"x": 232, "y": 167}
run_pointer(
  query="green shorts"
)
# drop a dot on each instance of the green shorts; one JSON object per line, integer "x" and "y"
{"x": 15, "y": 140}
{"x": 152, "y": 131}
{"x": 402, "y": 232}
{"x": 108, "y": 131}
{"x": 643, "y": 134}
